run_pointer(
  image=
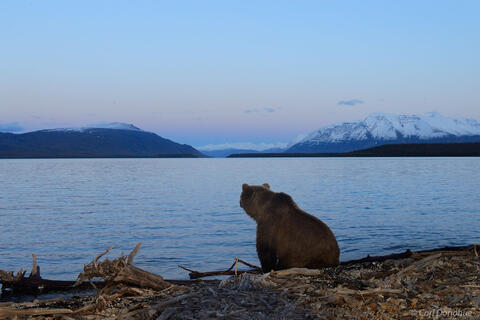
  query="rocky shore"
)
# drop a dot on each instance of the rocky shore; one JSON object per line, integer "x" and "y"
{"x": 440, "y": 284}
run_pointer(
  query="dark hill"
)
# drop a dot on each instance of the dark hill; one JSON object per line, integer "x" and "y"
{"x": 390, "y": 150}
{"x": 91, "y": 143}
{"x": 421, "y": 150}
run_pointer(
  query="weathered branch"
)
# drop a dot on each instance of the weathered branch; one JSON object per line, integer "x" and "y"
{"x": 249, "y": 265}
{"x": 102, "y": 254}
{"x": 196, "y": 274}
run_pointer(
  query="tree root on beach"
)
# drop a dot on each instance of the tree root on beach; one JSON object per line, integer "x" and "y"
{"x": 121, "y": 279}
{"x": 121, "y": 271}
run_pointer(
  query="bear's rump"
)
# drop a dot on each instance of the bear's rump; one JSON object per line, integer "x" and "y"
{"x": 311, "y": 247}
{"x": 308, "y": 256}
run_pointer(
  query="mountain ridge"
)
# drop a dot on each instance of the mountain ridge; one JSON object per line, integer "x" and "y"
{"x": 90, "y": 142}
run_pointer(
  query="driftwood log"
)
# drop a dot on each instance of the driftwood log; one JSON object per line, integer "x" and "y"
{"x": 6, "y": 312}
{"x": 408, "y": 254}
{"x": 34, "y": 284}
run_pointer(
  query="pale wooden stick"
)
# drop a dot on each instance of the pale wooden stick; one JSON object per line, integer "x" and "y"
{"x": 296, "y": 271}
{"x": 132, "y": 254}
{"x": 236, "y": 263}
{"x": 34, "y": 266}
{"x": 32, "y": 312}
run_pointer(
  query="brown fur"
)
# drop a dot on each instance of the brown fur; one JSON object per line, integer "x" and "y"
{"x": 287, "y": 236}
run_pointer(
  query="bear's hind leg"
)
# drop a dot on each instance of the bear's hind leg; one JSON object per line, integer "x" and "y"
{"x": 267, "y": 257}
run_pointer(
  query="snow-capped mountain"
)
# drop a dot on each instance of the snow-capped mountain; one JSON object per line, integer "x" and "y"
{"x": 383, "y": 128}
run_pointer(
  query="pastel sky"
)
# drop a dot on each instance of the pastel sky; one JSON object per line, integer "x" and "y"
{"x": 216, "y": 72}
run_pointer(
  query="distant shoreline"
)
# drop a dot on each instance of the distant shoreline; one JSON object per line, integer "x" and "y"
{"x": 389, "y": 150}
{"x": 163, "y": 156}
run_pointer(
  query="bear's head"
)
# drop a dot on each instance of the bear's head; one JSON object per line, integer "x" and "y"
{"x": 254, "y": 198}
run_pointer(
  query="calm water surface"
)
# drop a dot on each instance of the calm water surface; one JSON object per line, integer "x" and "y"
{"x": 186, "y": 211}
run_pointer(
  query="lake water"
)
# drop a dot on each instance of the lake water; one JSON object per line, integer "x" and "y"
{"x": 186, "y": 211}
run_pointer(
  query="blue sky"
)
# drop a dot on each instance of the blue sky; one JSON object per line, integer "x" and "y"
{"x": 212, "y": 72}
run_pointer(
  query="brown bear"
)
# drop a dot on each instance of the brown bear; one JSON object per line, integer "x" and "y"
{"x": 287, "y": 236}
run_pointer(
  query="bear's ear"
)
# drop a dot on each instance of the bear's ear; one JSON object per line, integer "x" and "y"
{"x": 266, "y": 185}
{"x": 244, "y": 186}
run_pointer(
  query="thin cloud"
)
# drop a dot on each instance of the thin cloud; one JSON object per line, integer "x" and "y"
{"x": 352, "y": 102}
{"x": 11, "y": 127}
{"x": 261, "y": 110}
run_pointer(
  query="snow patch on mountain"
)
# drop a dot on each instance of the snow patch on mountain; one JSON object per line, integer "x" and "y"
{"x": 115, "y": 125}
{"x": 102, "y": 125}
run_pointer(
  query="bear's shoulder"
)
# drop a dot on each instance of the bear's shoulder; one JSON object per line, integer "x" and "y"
{"x": 282, "y": 198}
